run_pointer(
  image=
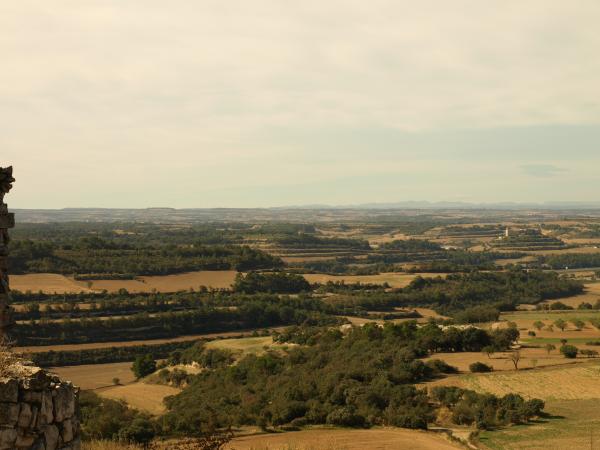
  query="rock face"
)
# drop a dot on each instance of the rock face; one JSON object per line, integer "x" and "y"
{"x": 38, "y": 411}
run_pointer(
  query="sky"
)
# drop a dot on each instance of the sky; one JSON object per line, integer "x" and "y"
{"x": 212, "y": 103}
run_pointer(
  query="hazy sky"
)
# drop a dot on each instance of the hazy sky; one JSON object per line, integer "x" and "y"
{"x": 203, "y": 103}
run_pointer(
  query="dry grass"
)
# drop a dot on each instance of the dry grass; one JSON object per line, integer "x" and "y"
{"x": 590, "y": 295}
{"x": 9, "y": 360}
{"x": 55, "y": 283}
{"x": 47, "y": 282}
{"x": 107, "y": 445}
{"x": 142, "y": 396}
{"x": 96, "y": 376}
{"x": 577, "y": 250}
{"x": 573, "y": 424}
{"x": 344, "y": 439}
{"x": 572, "y": 382}
{"x": 530, "y": 357}
{"x": 246, "y": 346}
{"x": 397, "y": 280}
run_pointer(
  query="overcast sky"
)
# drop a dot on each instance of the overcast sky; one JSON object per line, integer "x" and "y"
{"x": 245, "y": 103}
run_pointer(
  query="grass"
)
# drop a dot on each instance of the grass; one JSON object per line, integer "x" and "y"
{"x": 396, "y": 280}
{"x": 570, "y": 382}
{"x": 571, "y": 424}
{"x": 344, "y": 439}
{"x": 550, "y": 316}
{"x": 46, "y": 282}
{"x": 96, "y": 376}
{"x": 245, "y": 346}
{"x": 107, "y": 445}
{"x": 142, "y": 396}
{"x": 56, "y": 283}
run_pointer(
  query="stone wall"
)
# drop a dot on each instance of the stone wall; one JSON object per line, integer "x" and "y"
{"x": 38, "y": 411}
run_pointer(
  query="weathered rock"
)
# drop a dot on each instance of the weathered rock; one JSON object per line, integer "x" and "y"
{"x": 67, "y": 431}
{"x": 25, "y": 416}
{"x": 37, "y": 381}
{"x": 9, "y": 390}
{"x": 51, "y": 436}
{"x": 64, "y": 403}
{"x": 25, "y": 441}
{"x": 32, "y": 396}
{"x": 8, "y": 436}
{"x": 9, "y": 414}
{"x": 46, "y": 414}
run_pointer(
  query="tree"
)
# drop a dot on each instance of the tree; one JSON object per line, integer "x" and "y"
{"x": 489, "y": 350}
{"x": 589, "y": 353}
{"x": 143, "y": 366}
{"x": 515, "y": 357}
{"x": 579, "y": 324}
{"x": 116, "y": 381}
{"x": 538, "y": 324}
{"x": 550, "y": 347}
{"x": 570, "y": 351}
{"x": 560, "y": 324}
{"x": 139, "y": 431}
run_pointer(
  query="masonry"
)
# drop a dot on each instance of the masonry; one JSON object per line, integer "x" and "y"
{"x": 37, "y": 410}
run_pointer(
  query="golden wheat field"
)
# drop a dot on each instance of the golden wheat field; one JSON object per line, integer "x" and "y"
{"x": 339, "y": 439}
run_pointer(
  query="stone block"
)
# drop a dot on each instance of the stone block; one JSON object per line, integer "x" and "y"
{"x": 9, "y": 414}
{"x": 25, "y": 416}
{"x": 67, "y": 431}
{"x": 64, "y": 403}
{"x": 32, "y": 396}
{"x": 24, "y": 440}
{"x": 9, "y": 390}
{"x": 8, "y": 436}
{"x": 51, "y": 436}
{"x": 46, "y": 414}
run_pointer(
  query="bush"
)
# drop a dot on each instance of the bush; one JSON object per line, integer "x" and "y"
{"x": 569, "y": 351}
{"x": 441, "y": 366}
{"x": 479, "y": 367}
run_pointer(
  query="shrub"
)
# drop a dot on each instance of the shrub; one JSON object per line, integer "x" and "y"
{"x": 441, "y": 366}
{"x": 569, "y": 351}
{"x": 479, "y": 367}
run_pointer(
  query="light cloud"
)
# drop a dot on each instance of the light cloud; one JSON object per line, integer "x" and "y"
{"x": 542, "y": 170}
{"x": 197, "y": 103}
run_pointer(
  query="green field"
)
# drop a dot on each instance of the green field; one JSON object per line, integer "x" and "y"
{"x": 551, "y": 315}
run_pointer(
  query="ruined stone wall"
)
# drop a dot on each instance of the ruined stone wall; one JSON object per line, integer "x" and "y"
{"x": 38, "y": 411}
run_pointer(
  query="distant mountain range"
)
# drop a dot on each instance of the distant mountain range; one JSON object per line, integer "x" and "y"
{"x": 311, "y": 213}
